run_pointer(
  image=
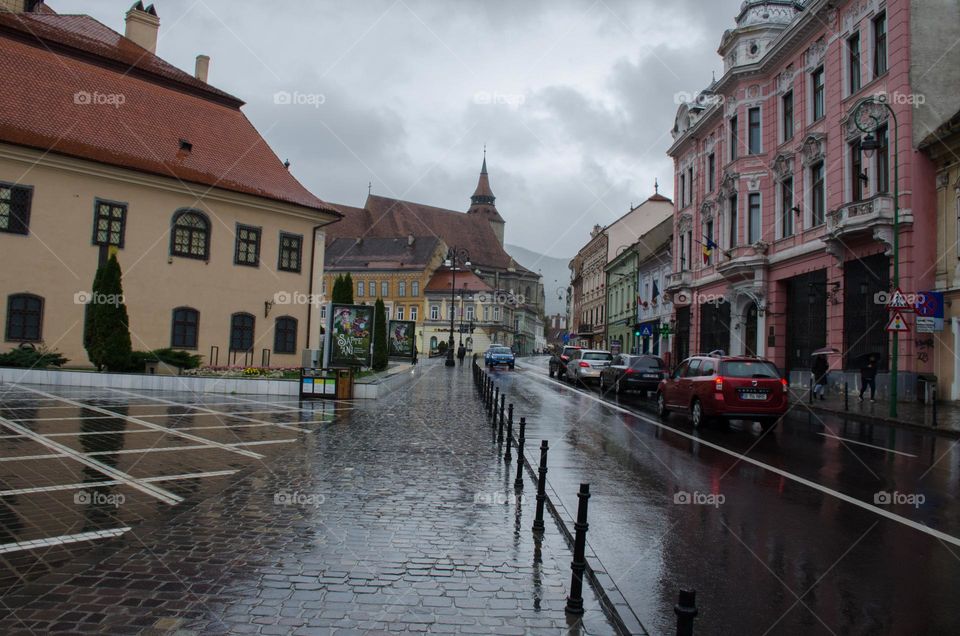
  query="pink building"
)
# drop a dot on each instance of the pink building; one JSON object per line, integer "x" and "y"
{"x": 783, "y": 227}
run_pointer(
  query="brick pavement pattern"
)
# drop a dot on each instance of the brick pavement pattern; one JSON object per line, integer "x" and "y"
{"x": 399, "y": 516}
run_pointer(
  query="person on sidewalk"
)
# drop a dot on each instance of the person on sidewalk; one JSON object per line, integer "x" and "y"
{"x": 461, "y": 353}
{"x": 868, "y": 377}
{"x": 820, "y": 371}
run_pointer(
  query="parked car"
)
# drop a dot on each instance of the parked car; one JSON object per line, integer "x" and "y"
{"x": 633, "y": 373}
{"x": 558, "y": 360}
{"x": 585, "y": 365}
{"x": 725, "y": 387}
{"x": 499, "y": 355}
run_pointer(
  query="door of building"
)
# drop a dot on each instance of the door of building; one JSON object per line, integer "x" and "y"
{"x": 682, "y": 337}
{"x": 864, "y": 317}
{"x": 750, "y": 345}
{"x": 806, "y": 318}
{"x": 715, "y": 326}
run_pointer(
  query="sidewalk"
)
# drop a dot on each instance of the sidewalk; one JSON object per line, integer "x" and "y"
{"x": 910, "y": 414}
{"x": 398, "y": 516}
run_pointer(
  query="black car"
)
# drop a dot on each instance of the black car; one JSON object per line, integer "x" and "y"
{"x": 559, "y": 359}
{"x": 633, "y": 373}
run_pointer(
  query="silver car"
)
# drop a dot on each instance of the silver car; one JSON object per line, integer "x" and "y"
{"x": 585, "y": 365}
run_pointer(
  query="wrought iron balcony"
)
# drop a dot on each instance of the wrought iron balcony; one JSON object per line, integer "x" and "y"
{"x": 679, "y": 280}
{"x": 871, "y": 218}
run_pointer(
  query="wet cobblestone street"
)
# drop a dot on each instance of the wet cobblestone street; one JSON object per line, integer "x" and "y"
{"x": 394, "y": 515}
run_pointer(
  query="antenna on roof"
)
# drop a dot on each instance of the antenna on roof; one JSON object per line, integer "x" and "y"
{"x": 656, "y": 187}
{"x": 369, "y": 187}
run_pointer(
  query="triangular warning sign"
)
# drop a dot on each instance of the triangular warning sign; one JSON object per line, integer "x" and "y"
{"x": 897, "y": 323}
{"x": 899, "y": 301}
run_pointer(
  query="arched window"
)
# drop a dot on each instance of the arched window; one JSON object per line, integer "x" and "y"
{"x": 24, "y": 318}
{"x": 186, "y": 322}
{"x": 241, "y": 332}
{"x": 433, "y": 343}
{"x": 190, "y": 235}
{"x": 285, "y": 335}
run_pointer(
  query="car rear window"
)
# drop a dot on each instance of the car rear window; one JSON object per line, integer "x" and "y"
{"x": 749, "y": 369}
{"x": 499, "y": 350}
{"x": 597, "y": 356}
{"x": 646, "y": 363}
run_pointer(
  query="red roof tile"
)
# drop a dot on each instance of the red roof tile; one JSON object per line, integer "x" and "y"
{"x": 466, "y": 282}
{"x": 47, "y": 61}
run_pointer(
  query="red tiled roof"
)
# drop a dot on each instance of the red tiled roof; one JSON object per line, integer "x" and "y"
{"x": 385, "y": 217}
{"x": 467, "y": 281}
{"x": 48, "y": 60}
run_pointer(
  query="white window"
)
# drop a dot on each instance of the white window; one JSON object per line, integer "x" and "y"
{"x": 399, "y": 313}
{"x": 413, "y": 314}
{"x": 755, "y": 213}
{"x": 434, "y": 312}
{"x": 360, "y": 289}
{"x": 415, "y": 288}
{"x": 470, "y": 312}
{"x": 496, "y": 313}
{"x": 755, "y": 131}
{"x": 402, "y": 288}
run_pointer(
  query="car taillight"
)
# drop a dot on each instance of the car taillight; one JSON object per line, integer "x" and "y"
{"x": 629, "y": 372}
{"x": 584, "y": 365}
{"x": 718, "y": 384}
{"x": 783, "y": 381}
{"x": 564, "y": 358}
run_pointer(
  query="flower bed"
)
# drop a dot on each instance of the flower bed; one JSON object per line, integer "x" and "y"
{"x": 269, "y": 373}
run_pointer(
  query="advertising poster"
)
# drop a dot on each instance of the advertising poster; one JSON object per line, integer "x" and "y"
{"x": 400, "y": 338}
{"x": 350, "y": 335}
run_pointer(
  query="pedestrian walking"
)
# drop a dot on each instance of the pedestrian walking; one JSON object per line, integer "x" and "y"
{"x": 461, "y": 353}
{"x": 414, "y": 354}
{"x": 820, "y": 371}
{"x": 868, "y": 378}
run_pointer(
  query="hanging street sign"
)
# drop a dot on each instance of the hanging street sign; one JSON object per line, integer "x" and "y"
{"x": 897, "y": 323}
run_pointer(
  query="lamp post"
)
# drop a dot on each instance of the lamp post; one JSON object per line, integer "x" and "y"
{"x": 455, "y": 256}
{"x": 868, "y": 117}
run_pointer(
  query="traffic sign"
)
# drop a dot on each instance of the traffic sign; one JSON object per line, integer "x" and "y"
{"x": 645, "y": 331}
{"x": 897, "y": 323}
{"x": 930, "y": 304}
{"x": 898, "y": 302}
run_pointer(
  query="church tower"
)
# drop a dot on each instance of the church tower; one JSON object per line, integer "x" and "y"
{"x": 483, "y": 202}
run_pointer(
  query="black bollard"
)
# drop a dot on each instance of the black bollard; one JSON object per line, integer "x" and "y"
{"x": 933, "y": 397}
{"x": 493, "y": 404}
{"x": 499, "y": 431}
{"x": 579, "y": 563}
{"x": 846, "y": 396}
{"x": 510, "y": 411}
{"x": 541, "y": 489}
{"x": 506, "y": 456}
{"x": 686, "y": 611}
{"x": 518, "y": 482}
{"x": 811, "y": 389}
{"x": 503, "y": 400}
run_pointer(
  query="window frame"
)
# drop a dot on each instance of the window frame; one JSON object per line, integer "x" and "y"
{"x": 258, "y": 232}
{"x": 28, "y": 205}
{"x": 818, "y": 94}
{"x": 882, "y": 161}
{"x": 402, "y": 289}
{"x": 818, "y": 203}
{"x": 112, "y": 205}
{"x": 10, "y": 337}
{"x": 286, "y": 333}
{"x": 400, "y": 312}
{"x": 854, "y": 63}
{"x": 786, "y": 206}
{"x": 733, "y": 225}
{"x": 414, "y": 314}
{"x": 881, "y": 42}
{"x": 173, "y": 328}
{"x": 855, "y": 162}
{"x": 751, "y": 223}
{"x": 787, "y": 116}
{"x": 384, "y": 289}
{"x": 415, "y": 289}
{"x": 282, "y": 250}
{"x": 711, "y": 172}
{"x": 734, "y": 129}
{"x": 207, "y": 235}
{"x": 434, "y": 312}
{"x": 252, "y": 329}
{"x": 754, "y": 131}
{"x": 361, "y": 289}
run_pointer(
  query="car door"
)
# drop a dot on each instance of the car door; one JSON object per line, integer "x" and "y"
{"x": 671, "y": 389}
{"x": 613, "y": 372}
{"x": 572, "y": 364}
{"x": 687, "y": 383}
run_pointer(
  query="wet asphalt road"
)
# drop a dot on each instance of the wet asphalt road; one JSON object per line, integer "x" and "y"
{"x": 788, "y": 533}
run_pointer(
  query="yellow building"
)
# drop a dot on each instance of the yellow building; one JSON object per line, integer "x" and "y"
{"x": 110, "y": 148}
{"x": 396, "y": 270}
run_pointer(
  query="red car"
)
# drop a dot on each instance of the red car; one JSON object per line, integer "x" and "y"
{"x": 725, "y": 387}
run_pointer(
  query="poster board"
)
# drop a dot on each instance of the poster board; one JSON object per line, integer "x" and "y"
{"x": 349, "y": 337}
{"x": 400, "y": 338}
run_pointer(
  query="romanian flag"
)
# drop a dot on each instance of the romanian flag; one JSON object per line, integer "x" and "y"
{"x": 708, "y": 249}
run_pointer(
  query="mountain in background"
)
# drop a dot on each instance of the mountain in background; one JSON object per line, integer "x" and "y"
{"x": 555, "y": 272}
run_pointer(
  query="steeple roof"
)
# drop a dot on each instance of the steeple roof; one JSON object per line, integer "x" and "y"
{"x": 483, "y": 201}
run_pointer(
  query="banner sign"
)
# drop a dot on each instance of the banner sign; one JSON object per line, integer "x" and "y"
{"x": 350, "y": 335}
{"x": 400, "y": 338}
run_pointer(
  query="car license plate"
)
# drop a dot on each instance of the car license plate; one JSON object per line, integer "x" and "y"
{"x": 651, "y": 375}
{"x": 753, "y": 396}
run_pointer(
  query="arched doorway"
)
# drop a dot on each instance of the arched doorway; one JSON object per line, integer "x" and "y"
{"x": 433, "y": 344}
{"x": 750, "y": 330}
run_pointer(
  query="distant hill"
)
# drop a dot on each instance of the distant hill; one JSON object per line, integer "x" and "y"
{"x": 555, "y": 272}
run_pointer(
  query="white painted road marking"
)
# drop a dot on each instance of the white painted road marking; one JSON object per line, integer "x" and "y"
{"x": 853, "y": 441}
{"x": 161, "y": 494}
{"x": 19, "y": 546}
{"x": 786, "y": 475}
{"x": 156, "y": 427}
{"x": 112, "y": 482}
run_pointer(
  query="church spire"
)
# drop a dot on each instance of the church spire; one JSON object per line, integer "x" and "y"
{"x": 483, "y": 202}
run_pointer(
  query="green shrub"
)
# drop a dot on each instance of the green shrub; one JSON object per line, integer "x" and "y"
{"x": 173, "y": 357}
{"x": 30, "y": 358}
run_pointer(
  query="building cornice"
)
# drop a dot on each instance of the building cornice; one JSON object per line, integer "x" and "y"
{"x": 199, "y": 192}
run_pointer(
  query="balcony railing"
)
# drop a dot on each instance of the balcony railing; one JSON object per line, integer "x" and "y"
{"x": 861, "y": 215}
{"x": 678, "y": 280}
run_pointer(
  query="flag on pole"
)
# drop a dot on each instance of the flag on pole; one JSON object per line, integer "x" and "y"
{"x": 656, "y": 292}
{"x": 708, "y": 249}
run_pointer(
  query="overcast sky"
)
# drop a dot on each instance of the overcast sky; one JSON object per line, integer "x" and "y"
{"x": 574, "y": 99}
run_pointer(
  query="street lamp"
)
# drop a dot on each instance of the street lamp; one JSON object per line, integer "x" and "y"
{"x": 455, "y": 256}
{"x": 868, "y": 117}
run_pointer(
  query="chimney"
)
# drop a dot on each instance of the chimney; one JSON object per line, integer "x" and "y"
{"x": 202, "y": 68}
{"x": 142, "y": 26}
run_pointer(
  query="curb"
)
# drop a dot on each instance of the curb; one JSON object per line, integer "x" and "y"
{"x": 865, "y": 417}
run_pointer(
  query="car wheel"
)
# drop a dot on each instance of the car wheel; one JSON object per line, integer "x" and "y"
{"x": 618, "y": 388}
{"x": 662, "y": 405}
{"x": 696, "y": 414}
{"x": 601, "y": 383}
{"x": 512, "y": 367}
